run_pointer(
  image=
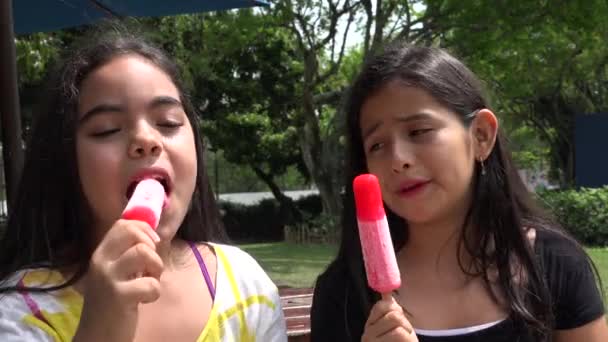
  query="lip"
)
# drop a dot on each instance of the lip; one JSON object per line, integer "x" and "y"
{"x": 147, "y": 173}
{"x": 412, "y": 187}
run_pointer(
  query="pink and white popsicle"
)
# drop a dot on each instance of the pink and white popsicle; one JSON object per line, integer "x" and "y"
{"x": 378, "y": 252}
{"x": 146, "y": 203}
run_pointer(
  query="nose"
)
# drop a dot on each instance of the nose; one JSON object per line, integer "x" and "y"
{"x": 145, "y": 141}
{"x": 402, "y": 158}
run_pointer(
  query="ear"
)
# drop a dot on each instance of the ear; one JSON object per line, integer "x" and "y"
{"x": 484, "y": 129}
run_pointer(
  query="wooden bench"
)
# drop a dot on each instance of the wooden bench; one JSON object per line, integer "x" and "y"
{"x": 296, "y": 308}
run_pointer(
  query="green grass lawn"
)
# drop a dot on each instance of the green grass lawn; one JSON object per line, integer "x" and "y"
{"x": 291, "y": 264}
{"x": 600, "y": 258}
{"x": 298, "y": 265}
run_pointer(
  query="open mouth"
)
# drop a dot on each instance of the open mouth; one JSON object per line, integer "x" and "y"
{"x": 162, "y": 180}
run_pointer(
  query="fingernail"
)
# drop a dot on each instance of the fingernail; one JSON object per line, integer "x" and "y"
{"x": 154, "y": 236}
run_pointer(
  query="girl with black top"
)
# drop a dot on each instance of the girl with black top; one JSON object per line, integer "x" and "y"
{"x": 478, "y": 261}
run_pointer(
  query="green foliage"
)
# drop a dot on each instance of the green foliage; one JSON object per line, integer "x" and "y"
{"x": 583, "y": 212}
{"x": 263, "y": 222}
{"x": 34, "y": 54}
{"x": 544, "y": 62}
{"x": 351, "y": 63}
{"x": 227, "y": 177}
{"x": 528, "y": 150}
{"x": 243, "y": 75}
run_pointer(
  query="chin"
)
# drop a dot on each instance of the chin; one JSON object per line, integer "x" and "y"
{"x": 172, "y": 221}
{"x": 167, "y": 231}
{"x": 418, "y": 216}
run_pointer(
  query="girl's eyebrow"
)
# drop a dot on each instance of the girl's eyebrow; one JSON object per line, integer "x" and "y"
{"x": 101, "y": 108}
{"x": 158, "y": 101}
{"x": 408, "y": 118}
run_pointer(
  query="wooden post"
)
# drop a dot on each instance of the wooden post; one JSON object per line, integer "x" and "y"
{"x": 10, "y": 117}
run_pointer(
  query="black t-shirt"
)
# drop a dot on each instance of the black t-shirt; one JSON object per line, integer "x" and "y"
{"x": 337, "y": 315}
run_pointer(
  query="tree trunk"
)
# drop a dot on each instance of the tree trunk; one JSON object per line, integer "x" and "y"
{"x": 313, "y": 151}
{"x": 322, "y": 174}
{"x": 288, "y": 210}
{"x": 557, "y": 113}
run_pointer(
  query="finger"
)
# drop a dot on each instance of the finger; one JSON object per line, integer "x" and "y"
{"x": 389, "y": 322}
{"x": 123, "y": 235}
{"x": 380, "y": 309}
{"x": 148, "y": 230}
{"x": 137, "y": 260}
{"x": 399, "y": 334}
{"x": 140, "y": 290}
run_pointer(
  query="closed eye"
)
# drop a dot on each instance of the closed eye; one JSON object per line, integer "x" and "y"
{"x": 105, "y": 133}
{"x": 418, "y": 132}
{"x": 171, "y": 124}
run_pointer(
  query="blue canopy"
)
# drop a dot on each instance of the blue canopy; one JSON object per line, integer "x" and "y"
{"x": 48, "y": 15}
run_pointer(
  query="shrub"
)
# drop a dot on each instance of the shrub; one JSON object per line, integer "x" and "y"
{"x": 310, "y": 204}
{"x": 583, "y": 212}
{"x": 263, "y": 221}
{"x": 249, "y": 223}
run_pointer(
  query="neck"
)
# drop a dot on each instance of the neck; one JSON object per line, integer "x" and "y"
{"x": 428, "y": 241}
{"x": 434, "y": 245}
{"x": 173, "y": 253}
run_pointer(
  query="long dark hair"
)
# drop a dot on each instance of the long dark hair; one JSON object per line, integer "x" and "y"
{"x": 502, "y": 211}
{"x": 48, "y": 224}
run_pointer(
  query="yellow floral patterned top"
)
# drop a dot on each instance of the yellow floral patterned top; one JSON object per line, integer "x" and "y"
{"x": 246, "y": 306}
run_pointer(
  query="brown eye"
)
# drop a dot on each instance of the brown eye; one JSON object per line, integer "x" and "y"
{"x": 376, "y": 147}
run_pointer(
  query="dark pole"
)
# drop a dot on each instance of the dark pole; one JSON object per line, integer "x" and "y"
{"x": 217, "y": 176}
{"x": 10, "y": 116}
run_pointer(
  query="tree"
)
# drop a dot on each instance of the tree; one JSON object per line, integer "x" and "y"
{"x": 544, "y": 62}
{"x": 35, "y": 53}
{"x": 243, "y": 74}
{"x": 321, "y": 30}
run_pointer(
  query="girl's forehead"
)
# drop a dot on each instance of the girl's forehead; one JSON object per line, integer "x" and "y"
{"x": 126, "y": 67}
{"x": 126, "y": 80}
{"x": 396, "y": 104}
{"x": 396, "y": 99}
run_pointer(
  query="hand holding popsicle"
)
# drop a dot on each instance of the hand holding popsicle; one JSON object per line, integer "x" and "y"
{"x": 114, "y": 286}
{"x": 386, "y": 321}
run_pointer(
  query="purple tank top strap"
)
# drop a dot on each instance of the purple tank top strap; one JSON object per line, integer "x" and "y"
{"x": 203, "y": 268}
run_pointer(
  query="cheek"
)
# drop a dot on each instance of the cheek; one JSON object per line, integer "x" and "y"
{"x": 452, "y": 163}
{"x": 378, "y": 164}
{"x": 185, "y": 161}
{"x": 97, "y": 168}
{"x": 191, "y": 164}
{"x": 85, "y": 160}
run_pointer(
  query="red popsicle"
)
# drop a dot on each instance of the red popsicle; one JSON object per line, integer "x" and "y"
{"x": 146, "y": 203}
{"x": 378, "y": 252}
